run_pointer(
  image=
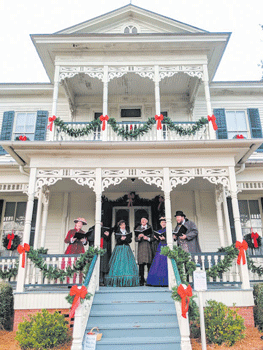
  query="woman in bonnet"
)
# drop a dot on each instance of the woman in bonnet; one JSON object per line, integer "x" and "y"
{"x": 76, "y": 238}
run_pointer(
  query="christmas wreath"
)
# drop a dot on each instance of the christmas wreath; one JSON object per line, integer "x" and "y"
{"x": 11, "y": 242}
{"x": 253, "y": 240}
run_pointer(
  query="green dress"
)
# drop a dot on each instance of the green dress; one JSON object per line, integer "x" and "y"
{"x": 123, "y": 270}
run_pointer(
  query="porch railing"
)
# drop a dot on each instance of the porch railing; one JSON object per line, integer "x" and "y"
{"x": 258, "y": 261}
{"x": 6, "y": 264}
{"x": 165, "y": 135}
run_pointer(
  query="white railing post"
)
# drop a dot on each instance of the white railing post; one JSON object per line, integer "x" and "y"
{"x": 55, "y": 100}
{"x": 105, "y": 102}
{"x": 98, "y": 193}
{"x": 212, "y": 132}
{"x": 157, "y": 99}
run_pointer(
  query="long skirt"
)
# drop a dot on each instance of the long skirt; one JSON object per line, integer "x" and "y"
{"x": 123, "y": 269}
{"x": 158, "y": 274}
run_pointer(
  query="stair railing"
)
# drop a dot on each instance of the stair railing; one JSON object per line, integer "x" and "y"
{"x": 183, "y": 322}
{"x": 83, "y": 311}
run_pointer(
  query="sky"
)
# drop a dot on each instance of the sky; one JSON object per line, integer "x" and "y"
{"x": 20, "y": 63}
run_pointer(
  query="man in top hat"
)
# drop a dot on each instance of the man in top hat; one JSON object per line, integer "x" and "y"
{"x": 188, "y": 240}
{"x": 144, "y": 247}
{"x": 76, "y": 245}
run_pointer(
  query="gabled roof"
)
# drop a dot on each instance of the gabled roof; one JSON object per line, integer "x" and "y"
{"x": 145, "y": 21}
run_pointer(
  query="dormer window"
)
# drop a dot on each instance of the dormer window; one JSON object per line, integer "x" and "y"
{"x": 130, "y": 30}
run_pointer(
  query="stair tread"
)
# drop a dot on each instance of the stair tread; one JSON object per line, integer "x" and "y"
{"x": 139, "y": 340}
{"x": 131, "y": 313}
{"x": 137, "y": 325}
{"x": 133, "y": 289}
{"x": 117, "y": 302}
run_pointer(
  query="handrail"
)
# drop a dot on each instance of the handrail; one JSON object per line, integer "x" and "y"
{"x": 90, "y": 271}
{"x": 176, "y": 272}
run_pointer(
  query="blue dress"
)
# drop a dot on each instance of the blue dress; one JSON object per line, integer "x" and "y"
{"x": 158, "y": 274}
{"x": 123, "y": 270}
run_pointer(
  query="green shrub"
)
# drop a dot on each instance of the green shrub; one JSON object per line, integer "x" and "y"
{"x": 43, "y": 331}
{"x": 194, "y": 319}
{"x": 6, "y": 305}
{"x": 223, "y": 325}
{"x": 258, "y": 309}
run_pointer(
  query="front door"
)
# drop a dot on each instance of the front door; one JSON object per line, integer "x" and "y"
{"x": 132, "y": 217}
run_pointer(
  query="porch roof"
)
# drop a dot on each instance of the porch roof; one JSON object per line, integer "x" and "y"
{"x": 238, "y": 150}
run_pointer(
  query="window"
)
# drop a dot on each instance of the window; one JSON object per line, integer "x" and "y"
{"x": 236, "y": 122}
{"x": 130, "y": 30}
{"x": 250, "y": 216}
{"x": 25, "y": 124}
{"x": 131, "y": 113}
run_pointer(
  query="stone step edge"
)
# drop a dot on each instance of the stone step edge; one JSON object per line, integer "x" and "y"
{"x": 139, "y": 340}
{"x": 130, "y": 313}
{"x": 129, "y": 326}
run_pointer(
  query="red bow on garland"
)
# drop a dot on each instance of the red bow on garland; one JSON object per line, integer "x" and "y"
{"x": 79, "y": 293}
{"x": 213, "y": 120}
{"x": 239, "y": 136}
{"x": 104, "y": 120}
{"x": 254, "y": 237}
{"x": 241, "y": 247}
{"x": 159, "y": 119}
{"x": 22, "y": 250}
{"x": 185, "y": 294}
{"x": 51, "y": 121}
{"x": 22, "y": 138}
{"x": 10, "y": 238}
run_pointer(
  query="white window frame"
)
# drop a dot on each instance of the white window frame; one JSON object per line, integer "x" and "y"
{"x": 17, "y": 134}
{"x": 246, "y": 119}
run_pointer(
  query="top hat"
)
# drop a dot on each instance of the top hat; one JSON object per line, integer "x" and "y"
{"x": 81, "y": 220}
{"x": 179, "y": 213}
{"x": 162, "y": 218}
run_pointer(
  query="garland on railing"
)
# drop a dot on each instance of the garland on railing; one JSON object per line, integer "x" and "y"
{"x": 12, "y": 272}
{"x": 253, "y": 268}
{"x": 225, "y": 264}
{"x": 70, "y": 297}
{"x": 120, "y": 130}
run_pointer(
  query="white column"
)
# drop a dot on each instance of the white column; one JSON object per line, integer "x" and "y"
{"x": 233, "y": 190}
{"x": 105, "y": 100}
{"x": 55, "y": 100}
{"x": 27, "y": 228}
{"x": 227, "y": 221}
{"x": 64, "y": 220}
{"x": 212, "y": 133}
{"x": 44, "y": 219}
{"x": 98, "y": 193}
{"x": 38, "y": 219}
{"x": 168, "y": 216}
{"x": 219, "y": 214}
{"x": 157, "y": 98}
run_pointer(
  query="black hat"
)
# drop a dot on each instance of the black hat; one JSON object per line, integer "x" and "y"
{"x": 162, "y": 218}
{"x": 179, "y": 213}
{"x": 121, "y": 222}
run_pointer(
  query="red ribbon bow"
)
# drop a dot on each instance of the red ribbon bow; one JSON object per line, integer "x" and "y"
{"x": 241, "y": 247}
{"x": 213, "y": 120}
{"x": 22, "y": 250}
{"x": 159, "y": 119}
{"x": 51, "y": 121}
{"x": 185, "y": 294}
{"x": 79, "y": 293}
{"x": 10, "y": 238}
{"x": 240, "y": 136}
{"x": 104, "y": 120}
{"x": 254, "y": 236}
{"x": 22, "y": 138}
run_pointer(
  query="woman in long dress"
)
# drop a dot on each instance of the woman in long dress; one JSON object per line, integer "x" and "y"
{"x": 158, "y": 274}
{"x": 123, "y": 270}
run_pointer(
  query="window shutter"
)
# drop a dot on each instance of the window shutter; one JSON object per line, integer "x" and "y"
{"x": 220, "y": 115}
{"x": 41, "y": 125}
{"x": 7, "y": 128}
{"x": 255, "y": 125}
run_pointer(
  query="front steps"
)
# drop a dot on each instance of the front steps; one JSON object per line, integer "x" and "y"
{"x": 135, "y": 318}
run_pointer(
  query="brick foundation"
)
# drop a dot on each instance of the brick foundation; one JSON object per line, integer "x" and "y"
{"x": 247, "y": 313}
{"x": 19, "y": 316}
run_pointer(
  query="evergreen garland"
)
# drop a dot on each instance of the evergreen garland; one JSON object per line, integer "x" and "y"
{"x": 253, "y": 268}
{"x": 191, "y": 130}
{"x": 70, "y": 298}
{"x": 8, "y": 274}
{"x": 120, "y": 130}
{"x": 225, "y": 264}
{"x": 86, "y": 130}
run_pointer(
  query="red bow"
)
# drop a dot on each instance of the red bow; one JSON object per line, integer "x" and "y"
{"x": 22, "y": 138}
{"x": 185, "y": 294}
{"x": 101, "y": 242}
{"x": 159, "y": 119}
{"x": 213, "y": 120}
{"x": 79, "y": 293}
{"x": 255, "y": 236}
{"x": 104, "y": 120}
{"x": 10, "y": 238}
{"x": 22, "y": 250}
{"x": 240, "y": 136}
{"x": 51, "y": 121}
{"x": 241, "y": 247}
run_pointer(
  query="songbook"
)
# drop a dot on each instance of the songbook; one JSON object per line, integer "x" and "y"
{"x": 80, "y": 235}
{"x": 105, "y": 229}
{"x": 127, "y": 235}
{"x": 159, "y": 234}
{"x": 182, "y": 231}
{"x": 146, "y": 232}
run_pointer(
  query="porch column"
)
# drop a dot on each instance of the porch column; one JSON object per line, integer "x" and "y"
{"x": 26, "y": 235}
{"x": 55, "y": 100}
{"x": 168, "y": 216}
{"x": 44, "y": 219}
{"x": 212, "y": 133}
{"x": 38, "y": 219}
{"x": 157, "y": 98}
{"x": 105, "y": 100}
{"x": 219, "y": 214}
{"x": 98, "y": 192}
{"x": 227, "y": 221}
{"x": 64, "y": 220}
{"x": 233, "y": 190}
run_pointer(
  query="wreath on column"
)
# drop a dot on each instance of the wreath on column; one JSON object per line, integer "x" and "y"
{"x": 13, "y": 239}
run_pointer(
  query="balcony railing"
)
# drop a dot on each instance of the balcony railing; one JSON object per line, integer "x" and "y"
{"x": 152, "y": 135}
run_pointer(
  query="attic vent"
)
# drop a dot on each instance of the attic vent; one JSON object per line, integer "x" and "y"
{"x": 130, "y": 30}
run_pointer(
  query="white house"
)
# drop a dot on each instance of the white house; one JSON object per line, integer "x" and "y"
{"x": 130, "y": 65}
